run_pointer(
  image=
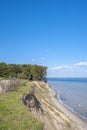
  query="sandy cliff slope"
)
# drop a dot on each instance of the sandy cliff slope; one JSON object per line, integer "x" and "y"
{"x": 55, "y": 116}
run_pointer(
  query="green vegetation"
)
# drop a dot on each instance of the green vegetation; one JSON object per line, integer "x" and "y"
{"x": 13, "y": 114}
{"x": 22, "y": 71}
{"x": 68, "y": 124}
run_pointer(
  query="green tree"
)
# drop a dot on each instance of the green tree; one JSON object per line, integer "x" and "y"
{"x": 26, "y": 71}
{"x": 3, "y": 69}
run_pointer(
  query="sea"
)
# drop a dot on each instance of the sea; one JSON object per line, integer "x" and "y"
{"x": 72, "y": 92}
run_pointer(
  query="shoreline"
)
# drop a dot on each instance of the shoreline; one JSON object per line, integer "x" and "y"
{"x": 66, "y": 110}
{"x": 73, "y": 111}
{"x": 57, "y": 96}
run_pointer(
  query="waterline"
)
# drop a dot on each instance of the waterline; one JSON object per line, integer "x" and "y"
{"x": 72, "y": 92}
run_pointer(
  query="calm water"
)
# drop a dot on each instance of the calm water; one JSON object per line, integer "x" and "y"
{"x": 72, "y": 92}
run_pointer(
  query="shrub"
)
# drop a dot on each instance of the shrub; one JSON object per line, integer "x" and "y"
{"x": 21, "y": 76}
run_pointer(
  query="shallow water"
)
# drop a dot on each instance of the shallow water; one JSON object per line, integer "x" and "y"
{"x": 72, "y": 92}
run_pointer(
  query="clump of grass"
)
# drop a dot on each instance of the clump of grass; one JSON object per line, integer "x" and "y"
{"x": 13, "y": 114}
{"x": 68, "y": 124}
{"x": 51, "y": 108}
{"x": 1, "y": 78}
{"x": 57, "y": 114}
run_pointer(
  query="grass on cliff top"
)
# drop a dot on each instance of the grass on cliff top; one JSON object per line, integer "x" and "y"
{"x": 13, "y": 114}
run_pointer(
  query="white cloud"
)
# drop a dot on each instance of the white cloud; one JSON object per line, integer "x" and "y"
{"x": 81, "y": 64}
{"x": 74, "y": 70}
{"x": 63, "y": 67}
{"x": 66, "y": 67}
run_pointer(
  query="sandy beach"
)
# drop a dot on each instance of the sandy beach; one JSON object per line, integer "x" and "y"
{"x": 56, "y": 115}
{"x": 72, "y": 116}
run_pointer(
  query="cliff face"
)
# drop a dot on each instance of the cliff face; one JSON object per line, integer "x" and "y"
{"x": 52, "y": 117}
{"x": 8, "y": 85}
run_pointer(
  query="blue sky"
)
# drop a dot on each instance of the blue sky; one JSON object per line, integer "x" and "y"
{"x": 46, "y": 32}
